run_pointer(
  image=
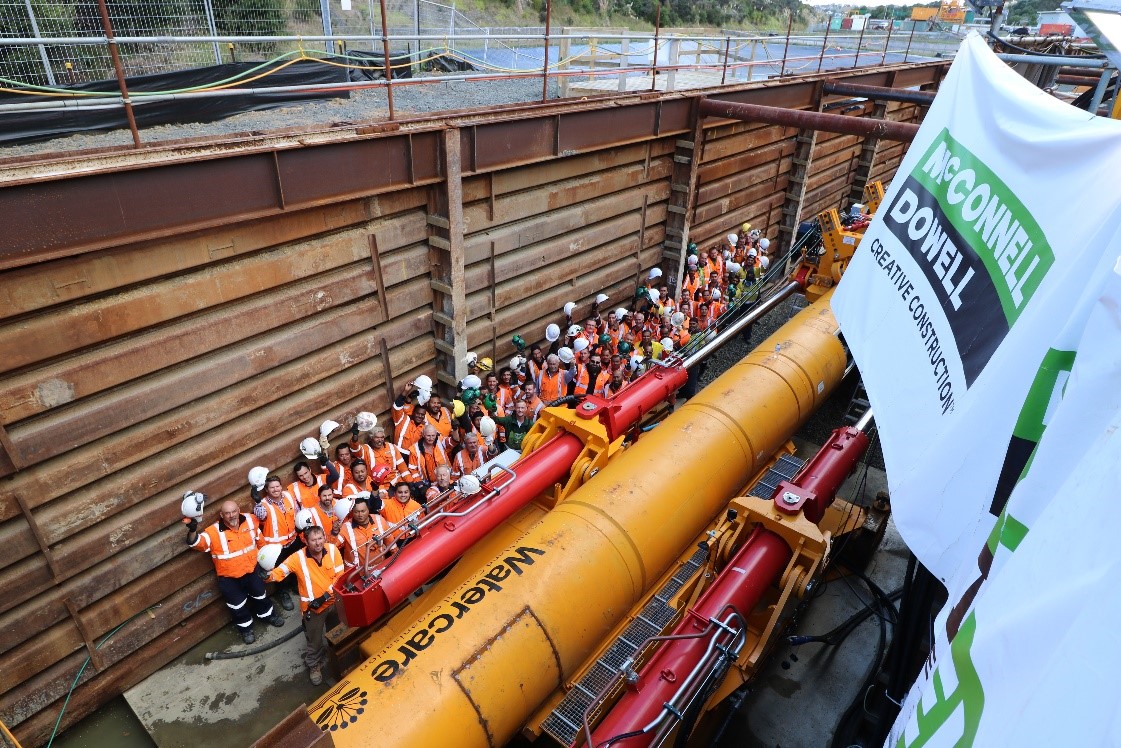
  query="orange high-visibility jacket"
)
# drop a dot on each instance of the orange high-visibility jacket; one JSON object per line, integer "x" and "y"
{"x": 280, "y": 524}
{"x": 358, "y": 544}
{"x": 234, "y": 551}
{"x": 312, "y": 577}
{"x": 305, "y": 496}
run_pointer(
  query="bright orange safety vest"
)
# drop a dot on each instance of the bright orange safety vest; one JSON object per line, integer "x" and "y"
{"x": 234, "y": 551}
{"x": 313, "y": 579}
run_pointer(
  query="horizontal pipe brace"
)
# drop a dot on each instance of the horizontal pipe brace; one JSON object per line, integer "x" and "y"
{"x": 809, "y": 120}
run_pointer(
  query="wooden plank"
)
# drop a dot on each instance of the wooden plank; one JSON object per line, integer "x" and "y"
{"x": 761, "y": 174}
{"x": 540, "y": 228}
{"x": 710, "y": 211}
{"x": 541, "y": 256}
{"x": 74, "y": 327}
{"x": 271, "y": 362}
{"x": 87, "y": 373}
{"x": 764, "y": 154}
{"x": 46, "y": 284}
{"x": 533, "y": 202}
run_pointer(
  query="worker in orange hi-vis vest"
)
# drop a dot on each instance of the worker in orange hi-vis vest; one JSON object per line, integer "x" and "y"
{"x": 552, "y": 384}
{"x": 316, "y": 568}
{"x": 471, "y": 457}
{"x": 232, "y": 545}
{"x": 428, "y": 454}
{"x": 400, "y": 509}
{"x": 442, "y": 485}
{"x": 408, "y": 433}
{"x": 533, "y": 403}
{"x": 417, "y": 395}
{"x": 305, "y": 489}
{"x": 360, "y": 538}
{"x": 341, "y": 463}
{"x": 381, "y": 452}
{"x": 276, "y": 511}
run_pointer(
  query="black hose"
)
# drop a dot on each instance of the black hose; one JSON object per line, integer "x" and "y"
{"x": 253, "y": 650}
{"x": 1027, "y": 51}
{"x": 840, "y": 632}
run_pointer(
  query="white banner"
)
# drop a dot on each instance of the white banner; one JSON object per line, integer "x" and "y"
{"x": 975, "y": 267}
{"x": 1032, "y": 659}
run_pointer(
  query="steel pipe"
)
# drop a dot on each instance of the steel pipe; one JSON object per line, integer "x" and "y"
{"x": 725, "y": 335}
{"x": 1074, "y": 62}
{"x": 879, "y": 93}
{"x": 802, "y": 119}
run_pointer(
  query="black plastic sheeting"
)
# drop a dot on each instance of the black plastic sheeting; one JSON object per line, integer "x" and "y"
{"x": 30, "y": 126}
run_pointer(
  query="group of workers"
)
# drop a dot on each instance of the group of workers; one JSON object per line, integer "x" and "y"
{"x": 360, "y": 507}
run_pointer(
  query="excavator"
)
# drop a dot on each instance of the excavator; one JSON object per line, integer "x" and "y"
{"x": 616, "y": 583}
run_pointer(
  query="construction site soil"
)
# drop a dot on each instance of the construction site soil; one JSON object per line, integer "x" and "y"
{"x": 366, "y": 105}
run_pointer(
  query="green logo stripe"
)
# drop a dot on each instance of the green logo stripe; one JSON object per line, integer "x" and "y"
{"x": 991, "y": 219}
{"x": 1042, "y": 391}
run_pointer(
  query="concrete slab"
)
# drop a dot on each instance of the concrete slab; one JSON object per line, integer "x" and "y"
{"x": 226, "y": 703}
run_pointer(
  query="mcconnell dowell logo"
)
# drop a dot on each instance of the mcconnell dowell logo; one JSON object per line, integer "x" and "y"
{"x": 979, "y": 247}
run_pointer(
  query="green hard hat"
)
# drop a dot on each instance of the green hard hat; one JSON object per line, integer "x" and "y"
{"x": 692, "y": 248}
{"x": 519, "y": 343}
{"x": 605, "y": 339}
{"x": 625, "y": 347}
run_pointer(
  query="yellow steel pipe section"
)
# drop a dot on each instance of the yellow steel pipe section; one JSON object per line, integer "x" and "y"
{"x": 472, "y": 669}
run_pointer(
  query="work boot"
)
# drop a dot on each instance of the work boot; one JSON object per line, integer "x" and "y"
{"x": 276, "y": 620}
{"x": 286, "y": 600}
{"x": 315, "y": 673}
{"x": 247, "y": 636}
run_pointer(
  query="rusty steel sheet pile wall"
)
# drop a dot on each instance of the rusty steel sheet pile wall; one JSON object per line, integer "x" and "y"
{"x": 169, "y": 321}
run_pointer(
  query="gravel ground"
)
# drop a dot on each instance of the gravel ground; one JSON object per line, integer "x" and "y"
{"x": 368, "y": 105}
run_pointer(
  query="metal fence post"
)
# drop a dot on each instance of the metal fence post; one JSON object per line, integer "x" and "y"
{"x": 325, "y": 14}
{"x": 824, "y": 42}
{"x": 208, "y": 8}
{"x": 42, "y": 48}
{"x": 624, "y": 61}
{"x": 545, "y": 61}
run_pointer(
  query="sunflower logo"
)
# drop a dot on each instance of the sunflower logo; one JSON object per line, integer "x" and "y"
{"x": 342, "y": 711}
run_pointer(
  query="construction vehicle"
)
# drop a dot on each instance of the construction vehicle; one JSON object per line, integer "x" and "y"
{"x": 611, "y": 586}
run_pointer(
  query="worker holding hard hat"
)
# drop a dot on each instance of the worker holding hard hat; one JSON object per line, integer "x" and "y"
{"x": 232, "y": 545}
{"x": 380, "y": 452}
{"x": 361, "y": 537}
{"x": 316, "y": 568}
{"x": 275, "y": 510}
{"x": 401, "y": 508}
{"x": 418, "y": 394}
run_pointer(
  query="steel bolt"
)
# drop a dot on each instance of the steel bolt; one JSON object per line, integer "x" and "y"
{"x": 790, "y": 498}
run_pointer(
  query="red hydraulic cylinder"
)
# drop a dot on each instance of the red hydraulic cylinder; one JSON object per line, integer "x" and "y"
{"x": 444, "y": 541}
{"x": 665, "y": 679}
{"x": 622, "y": 411}
{"x": 815, "y": 486}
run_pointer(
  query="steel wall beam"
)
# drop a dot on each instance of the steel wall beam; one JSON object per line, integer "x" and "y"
{"x": 62, "y": 207}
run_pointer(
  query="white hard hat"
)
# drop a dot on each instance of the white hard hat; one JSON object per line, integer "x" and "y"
{"x": 574, "y": 330}
{"x": 344, "y": 505}
{"x": 304, "y": 519}
{"x": 569, "y": 308}
{"x": 734, "y": 267}
{"x": 517, "y": 362}
{"x": 654, "y": 273}
{"x": 326, "y": 428}
{"x": 310, "y": 448}
{"x": 423, "y": 382}
{"x": 677, "y": 319}
{"x": 726, "y": 254}
{"x": 468, "y": 485}
{"x": 565, "y": 355}
{"x": 471, "y": 359}
{"x": 764, "y": 244}
{"x": 600, "y": 298}
{"x": 192, "y": 505}
{"x": 423, "y": 396}
{"x": 620, "y": 313}
{"x": 655, "y": 295}
{"x": 755, "y": 234}
{"x": 579, "y": 345}
{"x": 636, "y": 361}
{"x": 732, "y": 238}
{"x": 366, "y": 421}
{"x": 486, "y": 426}
{"x": 715, "y": 294}
{"x": 258, "y": 476}
{"x": 268, "y": 555}
{"x": 471, "y": 381}
{"x": 667, "y": 345}
{"x": 752, "y": 253}
{"x": 552, "y": 333}
{"x": 764, "y": 262}
{"x": 692, "y": 261}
